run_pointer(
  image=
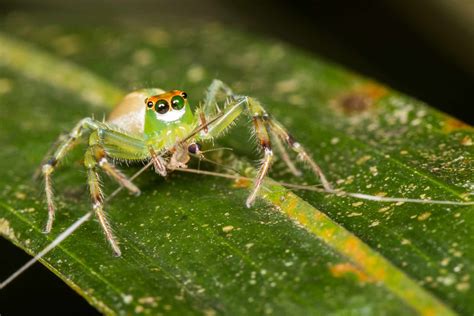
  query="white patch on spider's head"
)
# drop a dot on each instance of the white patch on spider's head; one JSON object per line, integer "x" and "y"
{"x": 171, "y": 116}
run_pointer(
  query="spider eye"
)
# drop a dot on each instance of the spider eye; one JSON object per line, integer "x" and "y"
{"x": 149, "y": 104}
{"x": 184, "y": 95}
{"x": 177, "y": 102}
{"x": 162, "y": 106}
{"x": 194, "y": 148}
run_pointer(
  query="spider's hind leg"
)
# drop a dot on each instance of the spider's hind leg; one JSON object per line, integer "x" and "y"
{"x": 277, "y": 128}
{"x": 284, "y": 154}
{"x": 264, "y": 126}
{"x": 259, "y": 117}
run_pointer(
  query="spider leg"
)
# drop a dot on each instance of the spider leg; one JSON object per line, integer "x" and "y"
{"x": 97, "y": 196}
{"x": 158, "y": 163}
{"x": 281, "y": 132}
{"x": 235, "y": 108}
{"x": 82, "y": 128}
{"x": 117, "y": 175}
{"x": 263, "y": 126}
{"x": 62, "y": 138}
{"x": 284, "y": 154}
{"x": 261, "y": 131}
{"x": 108, "y": 141}
{"x": 117, "y": 144}
{"x": 210, "y": 105}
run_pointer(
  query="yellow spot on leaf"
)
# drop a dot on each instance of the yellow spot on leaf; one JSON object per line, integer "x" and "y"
{"x": 452, "y": 124}
{"x": 363, "y": 159}
{"x": 344, "y": 269}
{"x": 303, "y": 219}
{"x": 6, "y": 230}
{"x": 20, "y": 195}
{"x": 328, "y": 233}
{"x": 374, "y": 223}
{"x": 241, "y": 183}
{"x": 466, "y": 141}
{"x": 424, "y": 216}
{"x": 227, "y": 229}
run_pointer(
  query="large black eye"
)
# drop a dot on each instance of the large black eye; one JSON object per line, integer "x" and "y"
{"x": 194, "y": 148}
{"x": 177, "y": 102}
{"x": 162, "y": 106}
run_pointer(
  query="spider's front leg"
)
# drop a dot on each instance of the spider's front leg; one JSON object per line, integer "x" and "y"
{"x": 102, "y": 139}
{"x": 83, "y": 128}
{"x": 106, "y": 142}
{"x": 91, "y": 158}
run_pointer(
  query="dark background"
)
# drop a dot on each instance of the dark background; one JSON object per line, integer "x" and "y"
{"x": 422, "y": 48}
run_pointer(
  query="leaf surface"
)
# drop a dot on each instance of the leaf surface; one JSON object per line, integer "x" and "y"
{"x": 189, "y": 244}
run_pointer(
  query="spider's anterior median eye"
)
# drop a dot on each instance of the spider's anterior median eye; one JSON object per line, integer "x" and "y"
{"x": 177, "y": 102}
{"x": 162, "y": 106}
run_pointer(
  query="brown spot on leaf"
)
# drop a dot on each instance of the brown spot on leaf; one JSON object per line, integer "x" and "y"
{"x": 361, "y": 98}
{"x": 354, "y": 102}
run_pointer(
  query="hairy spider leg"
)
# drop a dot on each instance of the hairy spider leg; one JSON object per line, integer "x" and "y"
{"x": 263, "y": 126}
{"x": 62, "y": 148}
{"x": 120, "y": 146}
{"x": 103, "y": 142}
{"x": 97, "y": 196}
{"x": 284, "y": 154}
{"x": 232, "y": 111}
{"x": 159, "y": 164}
{"x": 210, "y": 107}
{"x": 303, "y": 155}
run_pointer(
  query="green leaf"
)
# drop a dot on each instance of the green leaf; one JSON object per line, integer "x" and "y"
{"x": 189, "y": 244}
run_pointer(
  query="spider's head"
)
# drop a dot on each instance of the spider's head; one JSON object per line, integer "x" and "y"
{"x": 166, "y": 111}
{"x": 169, "y": 106}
